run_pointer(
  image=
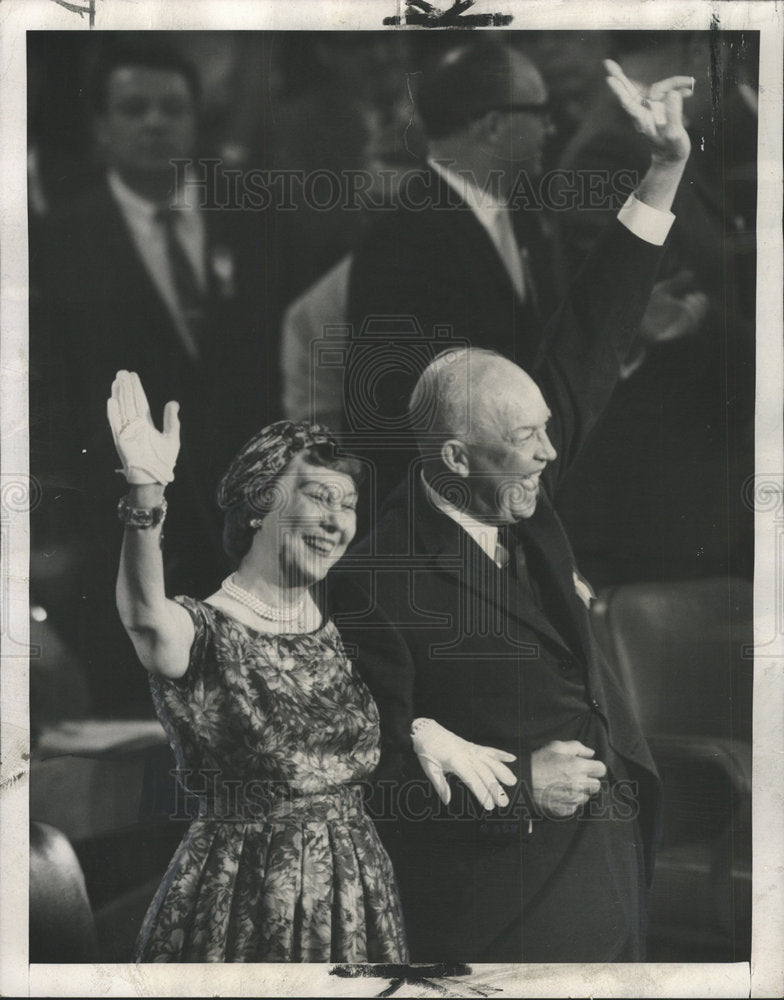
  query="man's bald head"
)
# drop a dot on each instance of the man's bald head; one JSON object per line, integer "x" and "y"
{"x": 465, "y": 392}
{"x": 482, "y": 421}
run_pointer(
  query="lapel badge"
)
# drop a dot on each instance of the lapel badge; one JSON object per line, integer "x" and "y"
{"x": 583, "y": 589}
{"x": 223, "y": 271}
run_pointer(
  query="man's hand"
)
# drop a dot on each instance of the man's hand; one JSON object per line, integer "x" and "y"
{"x": 657, "y": 114}
{"x": 441, "y": 752}
{"x": 675, "y": 311}
{"x": 564, "y": 777}
{"x": 147, "y": 455}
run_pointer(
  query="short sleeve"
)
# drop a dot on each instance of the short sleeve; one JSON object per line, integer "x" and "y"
{"x": 202, "y": 640}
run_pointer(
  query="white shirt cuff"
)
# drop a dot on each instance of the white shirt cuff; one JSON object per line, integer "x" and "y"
{"x": 647, "y": 223}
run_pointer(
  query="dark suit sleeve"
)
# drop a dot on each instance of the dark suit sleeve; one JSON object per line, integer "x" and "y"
{"x": 439, "y": 266}
{"x": 395, "y": 281}
{"x": 612, "y": 161}
{"x": 384, "y": 279}
{"x": 383, "y": 661}
{"x": 382, "y": 283}
{"x": 58, "y": 406}
{"x": 588, "y": 338}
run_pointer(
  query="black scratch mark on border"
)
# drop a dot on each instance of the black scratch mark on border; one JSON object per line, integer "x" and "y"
{"x": 88, "y": 8}
{"x": 12, "y": 779}
{"x": 418, "y": 975}
{"x": 427, "y": 15}
{"x": 715, "y": 69}
{"x": 411, "y": 118}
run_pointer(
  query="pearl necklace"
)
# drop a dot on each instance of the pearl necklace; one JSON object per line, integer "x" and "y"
{"x": 261, "y": 608}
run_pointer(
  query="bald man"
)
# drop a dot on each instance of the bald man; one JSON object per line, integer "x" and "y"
{"x": 470, "y": 622}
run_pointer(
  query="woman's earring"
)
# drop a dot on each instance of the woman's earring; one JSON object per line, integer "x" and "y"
{"x": 255, "y": 523}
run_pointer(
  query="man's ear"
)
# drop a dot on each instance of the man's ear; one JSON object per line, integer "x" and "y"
{"x": 483, "y": 130}
{"x": 492, "y": 126}
{"x": 455, "y": 457}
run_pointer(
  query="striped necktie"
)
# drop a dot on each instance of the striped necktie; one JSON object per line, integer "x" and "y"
{"x": 190, "y": 296}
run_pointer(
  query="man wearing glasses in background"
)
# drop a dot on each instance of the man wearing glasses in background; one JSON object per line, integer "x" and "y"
{"x": 454, "y": 254}
{"x": 465, "y": 250}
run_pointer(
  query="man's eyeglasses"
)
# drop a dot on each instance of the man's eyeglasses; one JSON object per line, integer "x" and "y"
{"x": 543, "y": 111}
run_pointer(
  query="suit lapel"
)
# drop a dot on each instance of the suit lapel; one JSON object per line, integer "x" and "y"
{"x": 132, "y": 271}
{"x": 553, "y": 560}
{"x": 478, "y": 267}
{"x": 129, "y": 265}
{"x": 477, "y": 252}
{"x": 457, "y": 555}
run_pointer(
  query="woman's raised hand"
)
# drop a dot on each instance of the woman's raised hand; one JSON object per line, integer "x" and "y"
{"x": 147, "y": 455}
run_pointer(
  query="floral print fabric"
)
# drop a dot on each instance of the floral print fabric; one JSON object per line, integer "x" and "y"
{"x": 273, "y": 734}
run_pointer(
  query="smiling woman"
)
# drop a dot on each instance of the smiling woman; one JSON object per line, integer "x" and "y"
{"x": 270, "y": 723}
{"x": 290, "y": 513}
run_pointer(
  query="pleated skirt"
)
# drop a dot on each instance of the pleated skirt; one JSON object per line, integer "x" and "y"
{"x": 310, "y": 883}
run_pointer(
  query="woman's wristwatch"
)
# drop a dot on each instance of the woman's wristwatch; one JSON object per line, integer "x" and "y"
{"x": 141, "y": 517}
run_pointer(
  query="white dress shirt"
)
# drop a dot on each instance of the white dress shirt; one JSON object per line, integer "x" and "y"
{"x": 150, "y": 241}
{"x": 485, "y": 535}
{"x": 647, "y": 223}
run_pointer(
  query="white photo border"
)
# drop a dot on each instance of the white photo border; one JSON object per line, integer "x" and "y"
{"x": 765, "y": 974}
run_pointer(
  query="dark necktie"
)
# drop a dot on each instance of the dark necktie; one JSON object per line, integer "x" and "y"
{"x": 516, "y": 566}
{"x": 534, "y": 258}
{"x": 189, "y": 294}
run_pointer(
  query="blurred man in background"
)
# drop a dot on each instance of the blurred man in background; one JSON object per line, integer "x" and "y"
{"x": 467, "y": 251}
{"x": 453, "y": 256}
{"x": 136, "y": 275}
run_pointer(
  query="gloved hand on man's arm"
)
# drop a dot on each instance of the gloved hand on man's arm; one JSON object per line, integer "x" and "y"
{"x": 482, "y": 769}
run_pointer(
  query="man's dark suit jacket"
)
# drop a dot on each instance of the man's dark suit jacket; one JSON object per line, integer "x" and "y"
{"x": 94, "y": 310}
{"x": 431, "y": 259}
{"x": 438, "y": 631}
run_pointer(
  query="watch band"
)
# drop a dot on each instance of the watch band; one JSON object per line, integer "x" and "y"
{"x": 141, "y": 517}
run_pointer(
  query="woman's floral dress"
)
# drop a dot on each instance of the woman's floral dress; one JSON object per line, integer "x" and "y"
{"x": 273, "y": 735}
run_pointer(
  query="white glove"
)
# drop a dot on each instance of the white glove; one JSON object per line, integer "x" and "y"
{"x": 147, "y": 455}
{"x": 441, "y": 752}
